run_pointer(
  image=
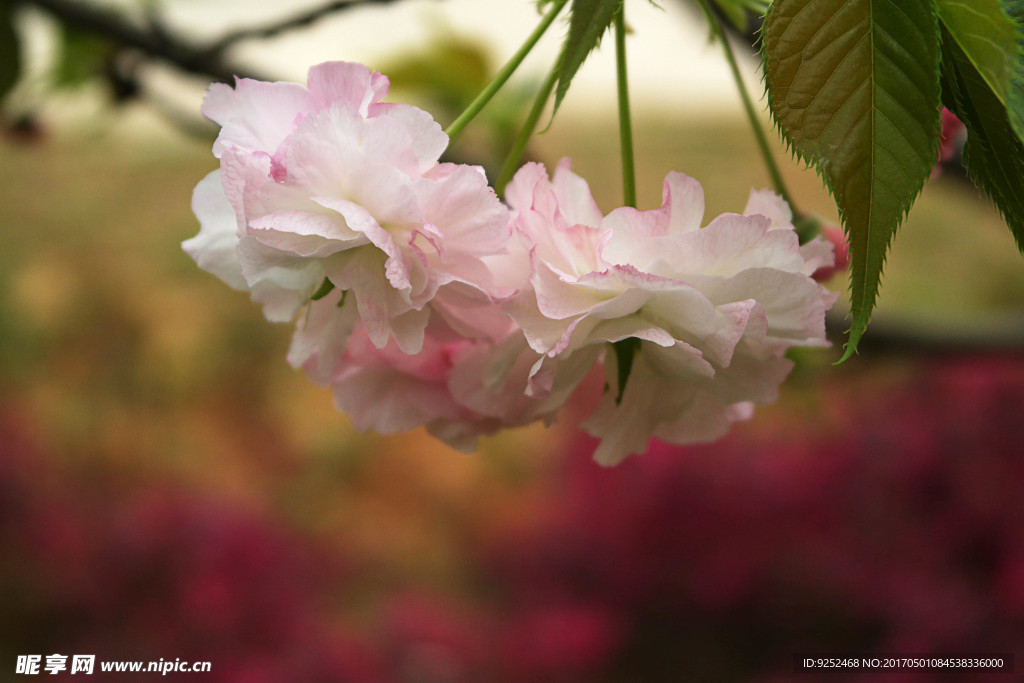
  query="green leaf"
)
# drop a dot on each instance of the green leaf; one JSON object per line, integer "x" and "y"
{"x": 994, "y": 154}
{"x": 1015, "y": 106}
{"x": 587, "y": 25}
{"x": 854, "y": 87}
{"x": 10, "y": 50}
{"x": 987, "y": 38}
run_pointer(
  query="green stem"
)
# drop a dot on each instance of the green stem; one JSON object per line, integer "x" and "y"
{"x": 626, "y": 349}
{"x": 506, "y": 71}
{"x": 748, "y": 106}
{"x": 625, "y": 125}
{"x": 529, "y": 126}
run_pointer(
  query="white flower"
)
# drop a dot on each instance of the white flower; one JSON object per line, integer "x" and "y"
{"x": 712, "y": 309}
{"x": 458, "y": 388}
{"x": 329, "y": 182}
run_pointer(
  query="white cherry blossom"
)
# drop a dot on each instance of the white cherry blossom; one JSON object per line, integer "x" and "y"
{"x": 712, "y": 309}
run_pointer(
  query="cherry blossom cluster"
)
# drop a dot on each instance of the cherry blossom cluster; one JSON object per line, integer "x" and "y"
{"x": 421, "y": 299}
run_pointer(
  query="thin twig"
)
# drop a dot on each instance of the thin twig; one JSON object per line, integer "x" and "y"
{"x": 453, "y": 130}
{"x": 155, "y": 41}
{"x": 183, "y": 54}
{"x": 529, "y": 126}
{"x": 274, "y": 29}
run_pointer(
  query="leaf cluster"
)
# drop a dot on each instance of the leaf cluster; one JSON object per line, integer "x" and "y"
{"x": 856, "y": 88}
{"x": 589, "y": 20}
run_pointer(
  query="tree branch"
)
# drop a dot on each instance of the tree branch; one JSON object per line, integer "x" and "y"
{"x": 155, "y": 42}
{"x": 294, "y": 22}
{"x": 186, "y": 56}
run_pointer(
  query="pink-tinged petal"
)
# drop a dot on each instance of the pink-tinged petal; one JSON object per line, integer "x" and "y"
{"x": 390, "y": 141}
{"x": 683, "y": 310}
{"x": 215, "y": 248}
{"x": 388, "y": 401}
{"x": 428, "y": 139}
{"x": 635, "y": 326}
{"x": 261, "y": 263}
{"x": 841, "y": 250}
{"x": 465, "y": 210}
{"x": 255, "y": 195}
{"x": 667, "y": 399}
{"x": 237, "y": 169}
{"x": 361, "y": 270}
{"x": 396, "y": 269}
{"x": 407, "y": 330}
{"x": 683, "y": 197}
{"x": 519, "y": 191}
{"x": 627, "y": 303}
{"x": 704, "y": 420}
{"x": 570, "y": 249}
{"x": 321, "y": 336}
{"x": 387, "y": 390}
{"x": 542, "y": 333}
{"x": 772, "y": 206}
{"x": 306, "y": 234}
{"x": 558, "y": 297}
{"x": 794, "y": 304}
{"x": 819, "y": 258}
{"x": 351, "y": 84}
{"x": 279, "y": 305}
{"x": 627, "y": 427}
{"x": 721, "y": 344}
{"x": 324, "y": 152}
{"x": 254, "y": 116}
{"x": 331, "y": 149}
{"x": 681, "y": 362}
{"x": 494, "y": 381}
{"x": 510, "y": 271}
{"x": 690, "y": 316}
{"x": 277, "y": 281}
{"x": 634, "y": 238}
{"x": 471, "y": 313}
{"x": 486, "y": 377}
{"x": 540, "y": 378}
{"x": 545, "y": 202}
{"x": 461, "y": 435}
{"x": 733, "y": 243}
{"x": 619, "y": 277}
{"x": 575, "y": 201}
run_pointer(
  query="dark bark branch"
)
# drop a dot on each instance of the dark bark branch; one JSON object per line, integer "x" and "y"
{"x": 155, "y": 42}
{"x": 186, "y": 56}
{"x": 298, "y": 21}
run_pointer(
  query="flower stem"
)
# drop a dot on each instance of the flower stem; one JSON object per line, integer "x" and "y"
{"x": 748, "y": 105}
{"x": 625, "y": 124}
{"x": 626, "y": 349}
{"x": 506, "y": 71}
{"x": 529, "y": 126}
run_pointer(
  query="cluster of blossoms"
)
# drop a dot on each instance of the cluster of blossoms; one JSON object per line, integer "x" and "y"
{"x": 421, "y": 299}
